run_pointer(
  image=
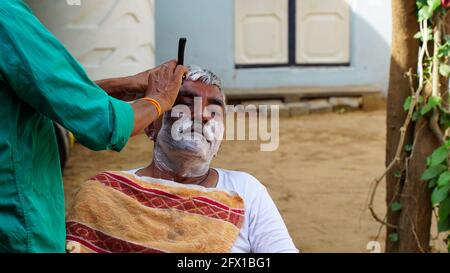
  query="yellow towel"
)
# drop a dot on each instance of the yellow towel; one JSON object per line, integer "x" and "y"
{"x": 120, "y": 212}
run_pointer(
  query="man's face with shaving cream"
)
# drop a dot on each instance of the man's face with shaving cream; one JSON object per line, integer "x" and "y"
{"x": 194, "y": 126}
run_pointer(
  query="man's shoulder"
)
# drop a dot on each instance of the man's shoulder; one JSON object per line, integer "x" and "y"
{"x": 240, "y": 179}
{"x": 238, "y": 174}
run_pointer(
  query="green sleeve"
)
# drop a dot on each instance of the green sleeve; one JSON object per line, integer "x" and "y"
{"x": 43, "y": 74}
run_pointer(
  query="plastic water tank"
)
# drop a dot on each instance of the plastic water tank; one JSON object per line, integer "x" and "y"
{"x": 109, "y": 37}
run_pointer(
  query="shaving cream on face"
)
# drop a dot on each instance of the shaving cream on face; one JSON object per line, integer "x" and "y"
{"x": 187, "y": 153}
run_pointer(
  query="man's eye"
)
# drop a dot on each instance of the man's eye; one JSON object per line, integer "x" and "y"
{"x": 184, "y": 102}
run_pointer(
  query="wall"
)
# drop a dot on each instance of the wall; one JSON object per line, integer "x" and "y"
{"x": 209, "y": 27}
{"x": 109, "y": 37}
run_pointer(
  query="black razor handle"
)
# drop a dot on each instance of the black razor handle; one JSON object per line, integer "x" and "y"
{"x": 181, "y": 47}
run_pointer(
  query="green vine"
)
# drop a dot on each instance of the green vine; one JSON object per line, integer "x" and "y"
{"x": 430, "y": 100}
{"x": 436, "y": 106}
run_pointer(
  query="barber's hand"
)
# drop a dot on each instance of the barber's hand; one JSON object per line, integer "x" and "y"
{"x": 164, "y": 83}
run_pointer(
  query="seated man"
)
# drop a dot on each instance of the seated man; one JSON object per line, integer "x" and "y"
{"x": 179, "y": 203}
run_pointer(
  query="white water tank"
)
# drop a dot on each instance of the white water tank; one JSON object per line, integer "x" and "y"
{"x": 110, "y": 38}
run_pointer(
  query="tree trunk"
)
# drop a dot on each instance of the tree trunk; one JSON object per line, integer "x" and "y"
{"x": 415, "y": 216}
{"x": 414, "y": 219}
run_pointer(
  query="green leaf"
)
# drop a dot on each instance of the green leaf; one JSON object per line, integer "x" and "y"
{"x": 438, "y": 156}
{"x": 396, "y": 206}
{"x": 397, "y": 174}
{"x": 444, "y": 179}
{"x": 425, "y": 109}
{"x": 415, "y": 116}
{"x": 444, "y": 51}
{"x": 444, "y": 119}
{"x": 444, "y": 69}
{"x": 433, "y": 101}
{"x": 408, "y": 148}
{"x": 433, "y": 171}
{"x": 443, "y": 225}
{"x": 427, "y": 9}
{"x": 418, "y": 36}
{"x": 439, "y": 194}
{"x": 393, "y": 237}
{"x": 425, "y": 13}
{"x": 432, "y": 183}
{"x": 421, "y": 3}
{"x": 434, "y": 4}
{"x": 407, "y": 103}
{"x": 448, "y": 240}
{"x": 428, "y": 161}
{"x": 444, "y": 209}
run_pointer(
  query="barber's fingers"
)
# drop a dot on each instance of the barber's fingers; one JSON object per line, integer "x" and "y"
{"x": 170, "y": 71}
{"x": 170, "y": 65}
{"x": 173, "y": 66}
{"x": 180, "y": 71}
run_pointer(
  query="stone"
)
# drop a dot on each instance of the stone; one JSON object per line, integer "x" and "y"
{"x": 298, "y": 108}
{"x": 320, "y": 106}
{"x": 292, "y": 98}
{"x": 257, "y": 103}
{"x": 284, "y": 110}
{"x": 352, "y": 103}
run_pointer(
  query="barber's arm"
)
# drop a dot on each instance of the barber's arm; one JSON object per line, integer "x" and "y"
{"x": 126, "y": 88}
{"x": 161, "y": 83}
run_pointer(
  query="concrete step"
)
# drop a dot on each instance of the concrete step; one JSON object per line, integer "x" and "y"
{"x": 296, "y": 93}
{"x": 319, "y": 99}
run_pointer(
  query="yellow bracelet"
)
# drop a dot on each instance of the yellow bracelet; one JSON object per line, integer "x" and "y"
{"x": 156, "y": 104}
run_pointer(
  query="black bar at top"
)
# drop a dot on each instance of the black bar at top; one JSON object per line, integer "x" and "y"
{"x": 181, "y": 46}
{"x": 291, "y": 31}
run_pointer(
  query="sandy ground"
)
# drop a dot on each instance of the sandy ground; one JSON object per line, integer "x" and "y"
{"x": 319, "y": 177}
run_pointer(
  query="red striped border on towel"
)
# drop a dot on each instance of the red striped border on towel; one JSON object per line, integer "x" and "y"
{"x": 155, "y": 198}
{"x": 174, "y": 196}
{"x": 100, "y": 242}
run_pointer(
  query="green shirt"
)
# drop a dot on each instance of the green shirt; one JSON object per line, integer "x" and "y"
{"x": 40, "y": 82}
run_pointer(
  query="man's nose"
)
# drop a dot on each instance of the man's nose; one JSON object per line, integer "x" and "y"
{"x": 204, "y": 117}
{"x": 205, "y": 114}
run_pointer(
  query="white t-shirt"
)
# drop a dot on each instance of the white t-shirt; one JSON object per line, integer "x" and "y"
{"x": 263, "y": 230}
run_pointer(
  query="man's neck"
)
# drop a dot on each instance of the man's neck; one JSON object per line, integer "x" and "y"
{"x": 208, "y": 180}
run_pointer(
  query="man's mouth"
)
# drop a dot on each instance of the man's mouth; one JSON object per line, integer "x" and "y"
{"x": 199, "y": 132}
{"x": 196, "y": 135}
{"x": 195, "y": 132}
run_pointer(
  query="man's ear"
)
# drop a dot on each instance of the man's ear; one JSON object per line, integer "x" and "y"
{"x": 153, "y": 129}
